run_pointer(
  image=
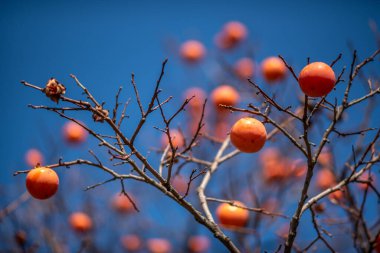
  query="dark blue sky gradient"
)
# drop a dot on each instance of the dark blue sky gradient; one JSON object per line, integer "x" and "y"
{"x": 102, "y": 42}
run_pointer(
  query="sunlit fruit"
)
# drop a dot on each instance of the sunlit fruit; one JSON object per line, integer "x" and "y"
{"x": 273, "y": 164}
{"x": 74, "y": 133}
{"x": 42, "y": 182}
{"x": 122, "y": 204}
{"x": 158, "y": 245}
{"x": 248, "y": 135}
{"x": 177, "y": 139}
{"x": 131, "y": 242}
{"x": 198, "y": 244}
{"x": 336, "y": 196}
{"x": 33, "y": 157}
{"x": 325, "y": 178}
{"x": 80, "y": 222}
{"x": 192, "y": 51}
{"x": 273, "y": 69}
{"x": 326, "y": 159}
{"x": 198, "y": 96}
{"x": 317, "y": 79}
{"x": 244, "y": 68}
{"x": 366, "y": 177}
{"x": 229, "y": 215}
{"x": 225, "y": 95}
{"x": 234, "y": 31}
{"x": 298, "y": 168}
{"x": 180, "y": 184}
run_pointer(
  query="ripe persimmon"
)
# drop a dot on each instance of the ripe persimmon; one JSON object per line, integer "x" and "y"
{"x": 229, "y": 215}
{"x": 198, "y": 243}
{"x": 131, "y": 242}
{"x": 42, "y": 182}
{"x": 317, "y": 79}
{"x": 158, "y": 245}
{"x": 325, "y": 179}
{"x": 80, "y": 222}
{"x": 248, "y": 135}
{"x": 122, "y": 204}
{"x": 225, "y": 95}
{"x": 196, "y": 103}
{"x": 33, "y": 157}
{"x": 244, "y": 68}
{"x": 74, "y": 133}
{"x": 325, "y": 158}
{"x": 192, "y": 51}
{"x": 180, "y": 184}
{"x": 336, "y": 196}
{"x": 234, "y": 32}
{"x": 298, "y": 168}
{"x": 366, "y": 177}
{"x": 273, "y": 69}
{"x": 177, "y": 139}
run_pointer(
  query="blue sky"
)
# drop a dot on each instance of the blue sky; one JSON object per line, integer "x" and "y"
{"x": 102, "y": 42}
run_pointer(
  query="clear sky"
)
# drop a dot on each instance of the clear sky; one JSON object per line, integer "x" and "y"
{"x": 102, "y": 42}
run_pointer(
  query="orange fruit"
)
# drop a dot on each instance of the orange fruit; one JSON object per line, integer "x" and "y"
{"x": 225, "y": 95}
{"x": 176, "y": 138}
{"x": 298, "y": 168}
{"x": 317, "y": 79}
{"x": 244, "y": 68}
{"x": 325, "y": 158}
{"x": 33, "y": 157}
{"x": 366, "y": 177}
{"x": 196, "y": 103}
{"x": 80, "y": 222}
{"x": 229, "y": 215}
{"x": 74, "y": 133}
{"x": 158, "y": 245}
{"x": 234, "y": 32}
{"x": 325, "y": 179}
{"x": 198, "y": 244}
{"x": 131, "y": 242}
{"x": 231, "y": 35}
{"x": 122, "y": 204}
{"x": 192, "y": 51}
{"x": 336, "y": 196}
{"x": 180, "y": 184}
{"x": 248, "y": 135}
{"x": 42, "y": 182}
{"x": 273, "y": 69}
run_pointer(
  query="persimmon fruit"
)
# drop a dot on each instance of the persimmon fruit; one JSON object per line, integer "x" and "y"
{"x": 317, "y": 79}
{"x": 74, "y": 133}
{"x": 225, "y": 95}
{"x": 198, "y": 243}
{"x": 33, "y": 157}
{"x": 131, "y": 242}
{"x": 273, "y": 69}
{"x": 192, "y": 51}
{"x": 158, "y": 245}
{"x": 248, "y": 135}
{"x": 229, "y": 215}
{"x": 198, "y": 95}
{"x": 42, "y": 182}
{"x": 177, "y": 139}
{"x": 122, "y": 204}
{"x": 325, "y": 179}
{"x": 80, "y": 222}
{"x": 234, "y": 32}
{"x": 244, "y": 68}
